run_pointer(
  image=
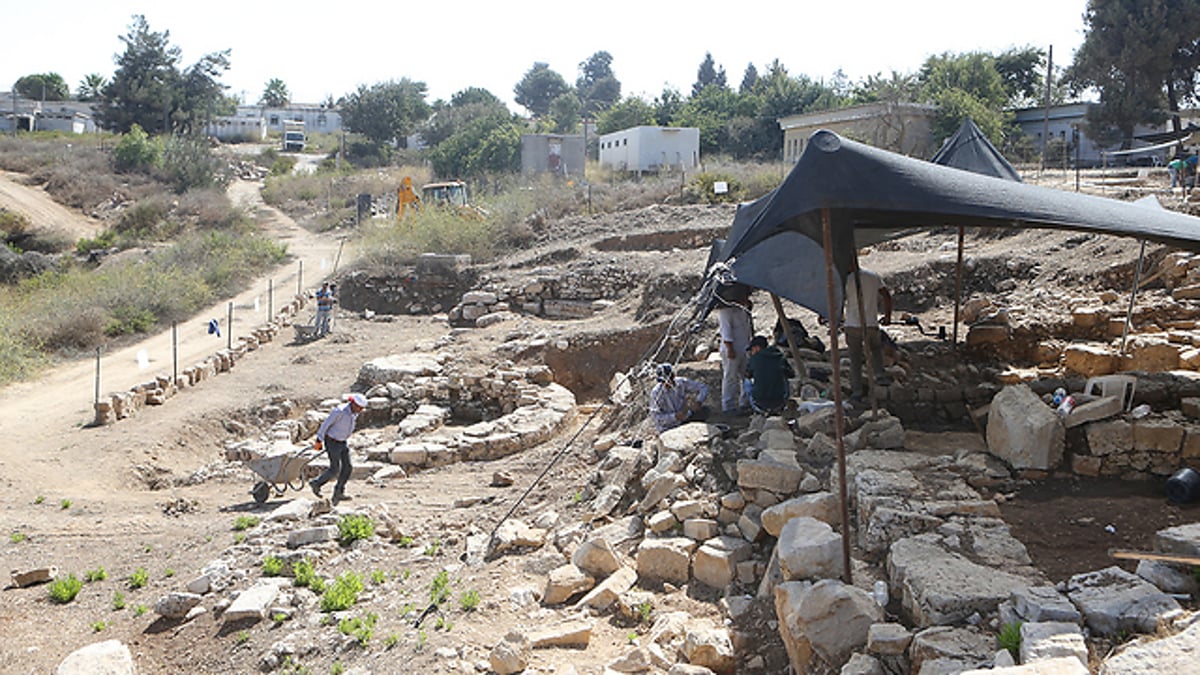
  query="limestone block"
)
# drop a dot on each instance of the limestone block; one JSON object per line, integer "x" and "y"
{"x": 312, "y": 535}
{"x": 750, "y": 522}
{"x": 809, "y": 549}
{"x": 788, "y": 597}
{"x": 1024, "y": 431}
{"x": 1114, "y": 601}
{"x": 778, "y": 478}
{"x": 1086, "y": 465}
{"x": 823, "y": 506}
{"x": 1150, "y": 354}
{"x": 1157, "y": 435}
{"x": 687, "y": 439}
{"x": 716, "y": 561}
{"x": 888, "y": 639}
{"x": 831, "y": 617}
{"x": 666, "y": 559}
{"x": 39, "y": 575}
{"x": 985, "y": 334}
{"x": 608, "y": 591}
{"x": 1101, "y": 408}
{"x": 109, "y": 657}
{"x": 564, "y": 582}
{"x": 1048, "y": 640}
{"x": 710, "y": 648}
{"x": 575, "y": 633}
{"x": 700, "y": 529}
{"x": 1110, "y": 437}
{"x": 176, "y": 605}
{"x": 946, "y": 649}
{"x": 596, "y": 557}
{"x": 512, "y": 654}
{"x": 254, "y": 602}
{"x": 1181, "y": 540}
{"x": 1089, "y": 317}
{"x": 661, "y": 522}
{"x": 687, "y": 508}
{"x": 513, "y": 534}
{"x": 1089, "y": 360}
{"x": 1044, "y": 604}
{"x": 661, "y": 488}
{"x": 1175, "y": 654}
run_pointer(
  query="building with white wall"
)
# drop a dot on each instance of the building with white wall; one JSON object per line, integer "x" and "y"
{"x": 317, "y": 118}
{"x": 651, "y": 149}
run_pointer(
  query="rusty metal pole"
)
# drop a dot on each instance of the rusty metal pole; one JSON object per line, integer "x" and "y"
{"x": 958, "y": 286}
{"x": 864, "y": 343}
{"x": 838, "y": 413}
{"x": 787, "y": 331}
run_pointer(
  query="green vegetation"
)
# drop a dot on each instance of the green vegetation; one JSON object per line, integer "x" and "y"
{"x": 139, "y": 578}
{"x": 405, "y": 542}
{"x": 279, "y": 617}
{"x": 63, "y": 591}
{"x": 304, "y": 573}
{"x": 390, "y": 641}
{"x": 342, "y": 594}
{"x": 243, "y": 636}
{"x": 1010, "y": 638}
{"x": 439, "y": 589}
{"x": 378, "y": 577}
{"x": 118, "y": 601}
{"x": 97, "y": 574}
{"x": 245, "y": 522}
{"x": 272, "y": 566}
{"x": 644, "y": 610}
{"x": 140, "y": 610}
{"x": 64, "y": 504}
{"x": 337, "y": 668}
{"x": 421, "y": 638}
{"x": 433, "y": 548}
{"x": 18, "y": 537}
{"x": 442, "y": 623}
{"x": 39, "y": 499}
{"x": 469, "y": 600}
{"x": 98, "y": 626}
{"x": 362, "y": 628}
{"x": 354, "y": 526}
{"x": 168, "y": 573}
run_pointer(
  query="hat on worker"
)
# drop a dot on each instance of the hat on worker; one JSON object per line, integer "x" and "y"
{"x": 357, "y": 399}
{"x": 758, "y": 341}
{"x": 664, "y": 372}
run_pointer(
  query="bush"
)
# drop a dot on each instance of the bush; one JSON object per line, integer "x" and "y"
{"x": 136, "y": 151}
{"x": 342, "y": 594}
{"x": 188, "y": 163}
{"x": 272, "y": 566}
{"x": 97, "y": 574}
{"x": 1010, "y": 638}
{"x": 139, "y": 578}
{"x": 304, "y": 573}
{"x": 469, "y": 600}
{"x": 439, "y": 589}
{"x": 354, "y": 526}
{"x": 361, "y": 628}
{"x": 246, "y": 522}
{"x": 65, "y": 590}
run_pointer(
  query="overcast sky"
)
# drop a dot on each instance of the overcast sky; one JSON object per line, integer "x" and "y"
{"x": 327, "y": 49}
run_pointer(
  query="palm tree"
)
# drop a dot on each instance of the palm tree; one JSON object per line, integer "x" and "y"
{"x": 91, "y": 87}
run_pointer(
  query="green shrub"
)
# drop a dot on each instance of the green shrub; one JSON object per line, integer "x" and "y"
{"x": 129, "y": 320}
{"x": 439, "y": 589}
{"x": 469, "y": 600}
{"x": 303, "y": 572}
{"x": 362, "y": 628}
{"x": 98, "y": 626}
{"x": 136, "y": 151}
{"x": 1010, "y": 638}
{"x": 283, "y": 165}
{"x": 317, "y": 585}
{"x": 354, "y": 526}
{"x": 188, "y": 162}
{"x": 139, "y": 578}
{"x": 378, "y": 577}
{"x": 139, "y": 610}
{"x": 63, "y": 591}
{"x": 64, "y": 504}
{"x": 18, "y": 537}
{"x": 246, "y": 522}
{"x": 118, "y": 601}
{"x": 272, "y": 566}
{"x": 97, "y": 574}
{"x": 342, "y": 594}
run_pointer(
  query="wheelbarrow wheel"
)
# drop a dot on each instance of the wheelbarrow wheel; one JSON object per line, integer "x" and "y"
{"x": 261, "y": 491}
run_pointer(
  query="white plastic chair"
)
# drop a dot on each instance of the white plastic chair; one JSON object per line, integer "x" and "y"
{"x": 1113, "y": 385}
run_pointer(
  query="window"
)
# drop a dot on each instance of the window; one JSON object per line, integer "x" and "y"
{"x": 274, "y": 120}
{"x": 321, "y": 120}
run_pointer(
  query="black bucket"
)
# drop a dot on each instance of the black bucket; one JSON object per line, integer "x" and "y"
{"x": 1183, "y": 487}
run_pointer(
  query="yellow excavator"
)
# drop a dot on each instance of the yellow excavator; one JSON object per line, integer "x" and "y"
{"x": 450, "y": 194}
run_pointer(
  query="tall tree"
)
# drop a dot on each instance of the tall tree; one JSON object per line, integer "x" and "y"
{"x": 90, "y": 87}
{"x": 275, "y": 94}
{"x": 1021, "y": 70}
{"x": 749, "y": 79}
{"x": 149, "y": 90}
{"x": 962, "y": 85}
{"x": 629, "y": 112}
{"x": 464, "y": 107}
{"x": 1143, "y": 56}
{"x": 387, "y": 111}
{"x": 666, "y": 106}
{"x": 538, "y": 88}
{"x": 485, "y": 145}
{"x": 564, "y": 113}
{"x": 707, "y": 74}
{"x": 43, "y": 87}
{"x": 597, "y": 86}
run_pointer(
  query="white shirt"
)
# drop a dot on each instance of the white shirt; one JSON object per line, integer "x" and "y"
{"x": 870, "y": 294}
{"x": 734, "y": 322}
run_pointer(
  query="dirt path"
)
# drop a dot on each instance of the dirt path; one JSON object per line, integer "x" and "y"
{"x": 46, "y": 215}
{"x": 49, "y": 415}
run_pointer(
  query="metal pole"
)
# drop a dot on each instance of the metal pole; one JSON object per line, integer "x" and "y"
{"x": 338, "y": 257}
{"x": 1046, "y": 107}
{"x": 787, "y": 331}
{"x": 868, "y": 354}
{"x": 958, "y": 285}
{"x": 96, "y": 399}
{"x": 838, "y": 413}
{"x": 270, "y": 299}
{"x": 174, "y": 353}
{"x": 300, "y": 280}
{"x": 229, "y": 328}
{"x": 1137, "y": 281}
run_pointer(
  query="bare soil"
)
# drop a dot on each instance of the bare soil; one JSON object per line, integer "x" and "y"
{"x": 154, "y": 492}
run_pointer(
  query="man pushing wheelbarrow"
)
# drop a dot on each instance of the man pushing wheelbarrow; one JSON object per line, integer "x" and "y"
{"x": 332, "y": 435}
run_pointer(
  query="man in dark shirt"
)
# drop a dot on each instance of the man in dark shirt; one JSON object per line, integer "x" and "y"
{"x": 767, "y": 377}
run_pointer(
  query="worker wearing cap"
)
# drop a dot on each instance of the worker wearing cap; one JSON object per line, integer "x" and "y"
{"x": 675, "y": 400}
{"x": 332, "y": 435}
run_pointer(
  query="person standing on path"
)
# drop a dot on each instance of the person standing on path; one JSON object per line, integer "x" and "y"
{"x": 733, "y": 317}
{"x": 873, "y": 293}
{"x": 332, "y": 436}
{"x": 325, "y": 302}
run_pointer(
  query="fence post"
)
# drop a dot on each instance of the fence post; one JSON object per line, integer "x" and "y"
{"x": 96, "y": 398}
{"x": 229, "y": 328}
{"x": 174, "y": 353}
{"x": 300, "y": 280}
{"x": 270, "y": 298}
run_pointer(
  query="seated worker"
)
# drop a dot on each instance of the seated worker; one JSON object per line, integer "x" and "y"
{"x": 767, "y": 376}
{"x": 676, "y": 400}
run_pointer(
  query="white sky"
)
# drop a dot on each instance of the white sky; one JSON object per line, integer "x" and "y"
{"x": 331, "y": 48}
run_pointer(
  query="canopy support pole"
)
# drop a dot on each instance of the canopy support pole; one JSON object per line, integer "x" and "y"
{"x": 865, "y": 341}
{"x": 838, "y": 413}
{"x": 1137, "y": 281}
{"x": 787, "y": 331}
{"x": 958, "y": 287}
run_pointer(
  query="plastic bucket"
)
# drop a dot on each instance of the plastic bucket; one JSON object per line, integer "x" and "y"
{"x": 1183, "y": 487}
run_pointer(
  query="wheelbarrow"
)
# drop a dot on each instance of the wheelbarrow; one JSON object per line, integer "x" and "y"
{"x": 306, "y": 332}
{"x": 280, "y": 472}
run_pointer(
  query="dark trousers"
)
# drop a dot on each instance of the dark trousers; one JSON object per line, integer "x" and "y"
{"x": 339, "y": 464}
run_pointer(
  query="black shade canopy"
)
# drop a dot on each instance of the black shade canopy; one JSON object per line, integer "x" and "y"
{"x": 775, "y": 242}
{"x": 968, "y": 149}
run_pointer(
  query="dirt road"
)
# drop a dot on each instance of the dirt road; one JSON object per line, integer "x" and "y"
{"x": 47, "y": 216}
{"x": 47, "y": 418}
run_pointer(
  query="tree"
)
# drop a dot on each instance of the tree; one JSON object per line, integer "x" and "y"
{"x": 149, "y": 90}
{"x": 387, "y": 111}
{"x": 667, "y": 105}
{"x": 709, "y": 111}
{"x": 275, "y": 94}
{"x": 464, "y": 107}
{"x": 962, "y": 85}
{"x": 629, "y": 112}
{"x": 90, "y": 87}
{"x": 598, "y": 88}
{"x": 1143, "y": 57}
{"x": 564, "y": 113}
{"x": 749, "y": 79}
{"x": 1021, "y": 71}
{"x": 489, "y": 144}
{"x": 43, "y": 87}
{"x": 707, "y": 74}
{"x": 896, "y": 88}
{"x": 538, "y": 88}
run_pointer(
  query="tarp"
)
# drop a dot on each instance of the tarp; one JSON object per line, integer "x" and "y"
{"x": 970, "y": 150}
{"x": 774, "y": 243}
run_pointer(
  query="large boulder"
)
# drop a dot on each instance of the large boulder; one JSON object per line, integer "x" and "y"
{"x": 110, "y": 657}
{"x": 809, "y": 549}
{"x": 828, "y": 619}
{"x": 1023, "y": 431}
{"x": 1114, "y": 601}
{"x": 1155, "y": 656}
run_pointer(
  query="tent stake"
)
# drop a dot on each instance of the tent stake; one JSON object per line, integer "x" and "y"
{"x": 958, "y": 287}
{"x": 1137, "y": 280}
{"x": 838, "y": 413}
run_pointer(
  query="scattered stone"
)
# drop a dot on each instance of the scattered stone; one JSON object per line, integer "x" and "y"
{"x": 809, "y": 549}
{"x": 253, "y": 602}
{"x": 710, "y": 648}
{"x": 823, "y": 506}
{"x": 700, "y": 529}
{"x": 659, "y": 489}
{"x": 512, "y": 654}
{"x": 35, "y": 576}
{"x": 576, "y": 633}
{"x": 312, "y": 535}
{"x": 768, "y": 475}
{"x": 861, "y": 664}
{"x": 947, "y": 649}
{"x": 667, "y": 560}
{"x": 290, "y": 511}
{"x": 636, "y": 661}
{"x": 110, "y": 657}
{"x": 565, "y": 582}
{"x": 831, "y": 617}
{"x": 1114, "y": 601}
{"x": 502, "y": 479}
{"x": 888, "y": 639}
{"x": 750, "y": 522}
{"x": 596, "y": 557}
{"x": 1174, "y": 654}
{"x": 514, "y": 534}
{"x": 610, "y": 590}
{"x": 1044, "y": 603}
{"x": 716, "y": 561}
{"x": 1063, "y": 665}
{"x": 1023, "y": 431}
{"x": 176, "y": 605}
{"x": 1048, "y": 640}
{"x": 661, "y": 522}
{"x": 1169, "y": 578}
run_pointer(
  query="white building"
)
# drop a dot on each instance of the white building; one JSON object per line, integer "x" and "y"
{"x": 317, "y": 118}
{"x": 1064, "y": 121}
{"x": 237, "y": 129}
{"x": 651, "y": 149}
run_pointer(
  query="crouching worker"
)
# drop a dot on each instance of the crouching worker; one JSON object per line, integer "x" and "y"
{"x": 767, "y": 374}
{"x": 332, "y": 436}
{"x": 676, "y": 400}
